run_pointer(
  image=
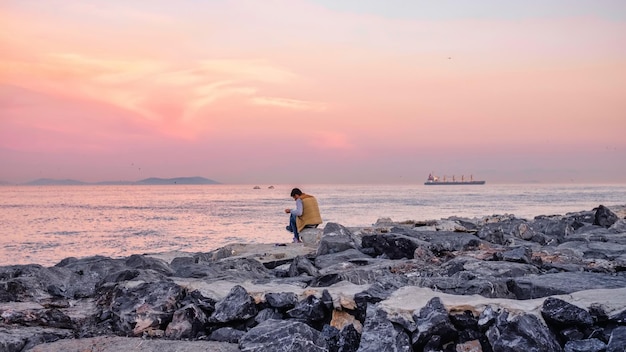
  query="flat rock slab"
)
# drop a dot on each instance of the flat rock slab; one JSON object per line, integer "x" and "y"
{"x": 217, "y": 290}
{"x": 408, "y": 299}
{"x": 117, "y": 344}
{"x": 263, "y": 252}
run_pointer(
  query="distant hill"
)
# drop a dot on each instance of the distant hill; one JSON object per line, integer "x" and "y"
{"x": 53, "y": 182}
{"x": 148, "y": 181}
{"x": 177, "y": 181}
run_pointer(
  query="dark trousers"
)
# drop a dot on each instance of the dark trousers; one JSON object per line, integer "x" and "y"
{"x": 294, "y": 228}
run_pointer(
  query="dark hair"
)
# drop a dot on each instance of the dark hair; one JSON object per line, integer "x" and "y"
{"x": 296, "y": 191}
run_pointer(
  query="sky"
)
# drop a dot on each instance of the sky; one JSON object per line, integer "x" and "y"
{"x": 313, "y": 91}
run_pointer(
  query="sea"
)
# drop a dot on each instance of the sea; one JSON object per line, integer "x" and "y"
{"x": 45, "y": 224}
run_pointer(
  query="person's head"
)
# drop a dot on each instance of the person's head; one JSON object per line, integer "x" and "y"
{"x": 296, "y": 192}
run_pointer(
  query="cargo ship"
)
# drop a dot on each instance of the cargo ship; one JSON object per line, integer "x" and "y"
{"x": 434, "y": 180}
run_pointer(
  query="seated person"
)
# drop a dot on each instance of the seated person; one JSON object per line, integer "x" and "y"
{"x": 306, "y": 213}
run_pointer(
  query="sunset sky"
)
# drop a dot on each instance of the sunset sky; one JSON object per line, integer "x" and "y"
{"x": 313, "y": 91}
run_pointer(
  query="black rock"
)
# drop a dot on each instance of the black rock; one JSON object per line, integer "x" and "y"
{"x": 380, "y": 334}
{"x": 604, "y": 217}
{"x": 282, "y": 300}
{"x": 590, "y": 345}
{"x": 226, "y": 334}
{"x": 521, "y": 333}
{"x": 236, "y": 306}
{"x": 433, "y": 320}
{"x": 561, "y": 314}
{"x": 282, "y": 336}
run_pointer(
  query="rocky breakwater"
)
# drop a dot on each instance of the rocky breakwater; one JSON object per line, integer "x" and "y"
{"x": 497, "y": 283}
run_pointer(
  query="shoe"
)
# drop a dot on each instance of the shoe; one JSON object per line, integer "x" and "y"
{"x": 289, "y": 228}
{"x": 297, "y": 240}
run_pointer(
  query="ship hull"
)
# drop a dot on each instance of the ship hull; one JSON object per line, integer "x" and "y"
{"x": 439, "y": 183}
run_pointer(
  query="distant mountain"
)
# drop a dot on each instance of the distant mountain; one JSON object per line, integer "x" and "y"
{"x": 53, "y": 182}
{"x": 147, "y": 181}
{"x": 177, "y": 181}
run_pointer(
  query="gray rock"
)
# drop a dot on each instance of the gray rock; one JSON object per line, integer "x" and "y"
{"x": 619, "y": 226}
{"x": 310, "y": 309}
{"x": 617, "y": 341}
{"x": 135, "y": 310}
{"x": 117, "y": 344}
{"x": 521, "y": 333}
{"x": 442, "y": 242}
{"x": 559, "y": 313}
{"x": 392, "y": 245}
{"x": 236, "y": 306}
{"x": 379, "y": 334}
{"x": 537, "y": 286}
{"x": 604, "y": 217}
{"x": 328, "y": 260}
{"x": 588, "y": 345}
{"x": 555, "y": 228}
{"x": 282, "y": 336}
{"x": 268, "y": 313}
{"x": 281, "y": 300}
{"x": 301, "y": 265}
{"x": 432, "y": 320}
{"x": 232, "y": 269}
{"x": 226, "y": 334}
{"x": 187, "y": 322}
{"x": 349, "y": 339}
{"x": 143, "y": 262}
{"x": 17, "y": 339}
{"x": 516, "y": 255}
{"x": 335, "y": 239}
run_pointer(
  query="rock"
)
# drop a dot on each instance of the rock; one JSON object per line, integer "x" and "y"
{"x": 349, "y": 339}
{"x": 604, "y": 217}
{"x": 16, "y": 339}
{"x": 432, "y": 320}
{"x": 311, "y": 236}
{"x": 516, "y": 255}
{"x": 237, "y": 306}
{"x": 379, "y": 334}
{"x": 282, "y": 336}
{"x": 282, "y": 300}
{"x": 588, "y": 345}
{"x": 310, "y": 309}
{"x": 145, "y": 308}
{"x": 392, "y": 245}
{"x": 117, "y": 344}
{"x": 226, "y": 334}
{"x": 187, "y": 322}
{"x": 523, "y": 332}
{"x": 340, "y": 258}
{"x": 559, "y": 313}
{"x": 534, "y": 286}
{"x": 335, "y": 239}
{"x": 617, "y": 341}
{"x": 302, "y": 265}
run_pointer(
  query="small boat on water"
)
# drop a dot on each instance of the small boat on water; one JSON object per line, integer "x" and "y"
{"x": 434, "y": 180}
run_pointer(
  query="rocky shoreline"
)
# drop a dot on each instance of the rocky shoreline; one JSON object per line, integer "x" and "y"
{"x": 497, "y": 283}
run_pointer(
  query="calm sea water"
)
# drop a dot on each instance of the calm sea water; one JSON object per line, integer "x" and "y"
{"x": 44, "y": 224}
